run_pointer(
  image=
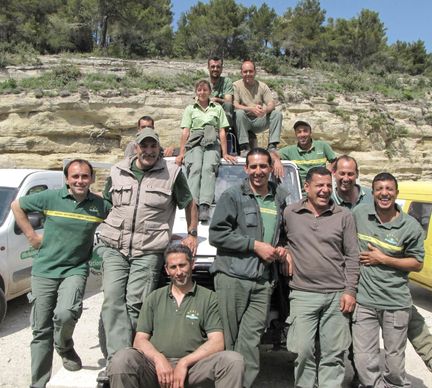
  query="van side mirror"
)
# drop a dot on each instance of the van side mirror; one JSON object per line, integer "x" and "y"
{"x": 36, "y": 221}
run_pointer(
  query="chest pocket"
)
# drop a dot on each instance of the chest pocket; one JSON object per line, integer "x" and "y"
{"x": 157, "y": 197}
{"x": 251, "y": 216}
{"x": 121, "y": 195}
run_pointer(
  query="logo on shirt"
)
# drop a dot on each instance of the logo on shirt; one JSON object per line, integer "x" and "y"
{"x": 193, "y": 316}
{"x": 93, "y": 209}
{"x": 391, "y": 239}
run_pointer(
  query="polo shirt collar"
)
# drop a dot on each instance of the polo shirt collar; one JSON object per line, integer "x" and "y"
{"x": 396, "y": 223}
{"x": 339, "y": 199}
{"x": 301, "y": 207}
{"x": 192, "y": 291}
{"x": 302, "y": 151}
{"x": 65, "y": 194}
{"x": 197, "y": 105}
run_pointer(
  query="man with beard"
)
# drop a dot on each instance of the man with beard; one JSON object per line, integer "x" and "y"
{"x": 322, "y": 242}
{"x": 144, "y": 191}
{"x": 179, "y": 340}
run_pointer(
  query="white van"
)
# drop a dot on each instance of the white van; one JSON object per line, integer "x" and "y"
{"x": 15, "y": 252}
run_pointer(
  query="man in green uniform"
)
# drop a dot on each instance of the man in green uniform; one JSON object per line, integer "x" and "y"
{"x": 307, "y": 153}
{"x": 391, "y": 245}
{"x": 222, "y": 88}
{"x": 60, "y": 268}
{"x": 245, "y": 230}
{"x": 179, "y": 340}
{"x": 145, "y": 191}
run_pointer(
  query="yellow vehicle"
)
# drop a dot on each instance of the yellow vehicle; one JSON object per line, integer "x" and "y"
{"x": 416, "y": 200}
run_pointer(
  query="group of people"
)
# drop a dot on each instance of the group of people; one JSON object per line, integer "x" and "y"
{"x": 346, "y": 254}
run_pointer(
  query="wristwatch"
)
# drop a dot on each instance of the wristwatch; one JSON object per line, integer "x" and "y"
{"x": 193, "y": 232}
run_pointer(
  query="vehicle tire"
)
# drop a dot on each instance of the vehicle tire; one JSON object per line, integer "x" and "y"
{"x": 102, "y": 337}
{"x": 3, "y": 305}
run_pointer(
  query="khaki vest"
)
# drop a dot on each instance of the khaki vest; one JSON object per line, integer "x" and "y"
{"x": 142, "y": 216}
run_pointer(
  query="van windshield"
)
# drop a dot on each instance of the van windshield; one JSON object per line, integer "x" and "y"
{"x": 7, "y": 195}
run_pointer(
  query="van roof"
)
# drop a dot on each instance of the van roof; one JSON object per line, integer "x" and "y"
{"x": 10, "y": 177}
{"x": 415, "y": 190}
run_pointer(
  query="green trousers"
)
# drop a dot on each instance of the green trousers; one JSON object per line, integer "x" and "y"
{"x": 420, "y": 337}
{"x": 126, "y": 282}
{"x": 244, "y": 124}
{"x": 56, "y": 308}
{"x": 312, "y": 312}
{"x": 243, "y": 306}
{"x": 201, "y": 167}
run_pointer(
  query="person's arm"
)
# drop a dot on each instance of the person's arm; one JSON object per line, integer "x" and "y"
{"x": 278, "y": 170}
{"x": 214, "y": 344}
{"x": 229, "y": 158}
{"x": 184, "y": 138}
{"x": 164, "y": 370}
{"x": 191, "y": 212}
{"x": 374, "y": 256}
{"x": 23, "y": 222}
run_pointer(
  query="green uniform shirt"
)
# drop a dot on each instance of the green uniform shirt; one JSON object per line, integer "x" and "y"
{"x": 381, "y": 286}
{"x": 68, "y": 231}
{"x": 195, "y": 117}
{"x": 222, "y": 87}
{"x": 365, "y": 196}
{"x": 317, "y": 155}
{"x": 179, "y": 330}
{"x": 268, "y": 212}
{"x": 181, "y": 193}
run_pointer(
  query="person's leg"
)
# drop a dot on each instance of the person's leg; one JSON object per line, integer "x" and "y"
{"x": 394, "y": 332}
{"x": 143, "y": 278}
{"x": 335, "y": 338}
{"x": 129, "y": 368}
{"x": 303, "y": 322}
{"x": 420, "y": 337}
{"x": 117, "y": 324}
{"x": 193, "y": 161}
{"x": 243, "y": 124}
{"x": 210, "y": 165}
{"x": 365, "y": 331}
{"x": 228, "y": 108}
{"x": 233, "y": 299}
{"x": 220, "y": 370}
{"x": 67, "y": 312}
{"x": 43, "y": 298}
{"x": 274, "y": 120}
{"x": 252, "y": 326}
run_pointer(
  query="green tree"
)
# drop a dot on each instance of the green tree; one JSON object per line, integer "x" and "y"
{"x": 261, "y": 22}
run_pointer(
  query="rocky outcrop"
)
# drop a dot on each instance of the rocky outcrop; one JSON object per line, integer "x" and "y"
{"x": 383, "y": 134}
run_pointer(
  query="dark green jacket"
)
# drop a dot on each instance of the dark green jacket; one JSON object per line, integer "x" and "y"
{"x": 236, "y": 224}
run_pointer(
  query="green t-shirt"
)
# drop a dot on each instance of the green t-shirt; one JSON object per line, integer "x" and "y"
{"x": 268, "y": 212}
{"x": 181, "y": 193}
{"x": 222, "y": 87}
{"x": 365, "y": 196}
{"x": 381, "y": 286}
{"x": 195, "y": 117}
{"x": 68, "y": 231}
{"x": 179, "y": 330}
{"x": 317, "y": 155}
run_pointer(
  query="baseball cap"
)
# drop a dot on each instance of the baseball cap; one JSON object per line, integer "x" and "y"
{"x": 145, "y": 133}
{"x": 301, "y": 122}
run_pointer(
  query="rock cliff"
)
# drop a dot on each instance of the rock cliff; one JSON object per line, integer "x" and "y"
{"x": 40, "y": 132}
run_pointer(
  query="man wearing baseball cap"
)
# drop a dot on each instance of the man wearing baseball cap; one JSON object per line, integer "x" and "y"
{"x": 144, "y": 191}
{"x": 307, "y": 153}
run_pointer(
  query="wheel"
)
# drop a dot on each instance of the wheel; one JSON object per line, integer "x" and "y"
{"x": 3, "y": 305}
{"x": 102, "y": 337}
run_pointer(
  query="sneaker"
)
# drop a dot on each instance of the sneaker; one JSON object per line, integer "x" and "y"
{"x": 71, "y": 360}
{"x": 204, "y": 212}
{"x": 102, "y": 377}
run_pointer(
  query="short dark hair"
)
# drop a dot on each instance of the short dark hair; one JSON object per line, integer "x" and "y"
{"x": 145, "y": 118}
{"x": 384, "y": 176}
{"x": 79, "y": 161}
{"x": 215, "y": 58}
{"x": 178, "y": 248}
{"x": 320, "y": 170}
{"x": 202, "y": 82}
{"x": 259, "y": 151}
{"x": 347, "y": 158}
{"x": 248, "y": 60}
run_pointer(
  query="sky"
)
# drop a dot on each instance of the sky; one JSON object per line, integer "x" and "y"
{"x": 405, "y": 20}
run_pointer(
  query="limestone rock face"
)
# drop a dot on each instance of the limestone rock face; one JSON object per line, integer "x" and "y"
{"x": 40, "y": 132}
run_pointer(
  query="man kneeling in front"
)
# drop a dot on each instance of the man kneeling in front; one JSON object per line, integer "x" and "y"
{"x": 179, "y": 340}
